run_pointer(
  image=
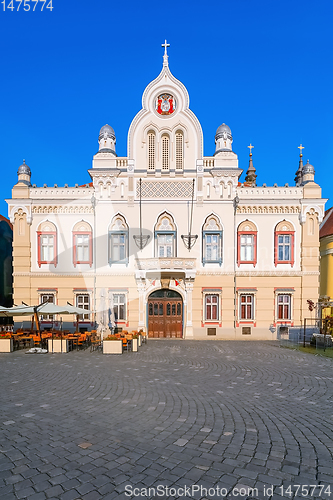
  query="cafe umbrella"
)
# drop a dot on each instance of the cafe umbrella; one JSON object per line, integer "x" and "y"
{"x": 45, "y": 308}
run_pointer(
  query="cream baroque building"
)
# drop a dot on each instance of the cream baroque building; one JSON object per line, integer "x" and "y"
{"x": 254, "y": 256}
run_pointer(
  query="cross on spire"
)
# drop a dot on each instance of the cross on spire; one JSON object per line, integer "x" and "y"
{"x": 165, "y": 45}
{"x": 300, "y": 147}
{"x": 250, "y": 148}
{"x": 165, "y": 57}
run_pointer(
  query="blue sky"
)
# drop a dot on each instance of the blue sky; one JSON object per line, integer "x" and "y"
{"x": 263, "y": 67}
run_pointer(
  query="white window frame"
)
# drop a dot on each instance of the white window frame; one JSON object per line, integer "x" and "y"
{"x": 83, "y": 246}
{"x": 48, "y": 247}
{"x": 159, "y": 245}
{"x": 218, "y": 259}
{"x": 83, "y": 317}
{"x": 246, "y": 246}
{"x": 279, "y": 295}
{"x": 210, "y": 292}
{"x": 284, "y": 245}
{"x": 43, "y": 294}
{"x": 279, "y": 292}
{"x": 112, "y": 236}
{"x": 117, "y": 304}
{"x": 246, "y": 294}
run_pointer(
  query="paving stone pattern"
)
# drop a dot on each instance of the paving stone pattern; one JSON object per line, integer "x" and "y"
{"x": 230, "y": 414}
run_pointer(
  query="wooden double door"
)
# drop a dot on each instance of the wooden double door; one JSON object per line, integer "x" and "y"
{"x": 165, "y": 314}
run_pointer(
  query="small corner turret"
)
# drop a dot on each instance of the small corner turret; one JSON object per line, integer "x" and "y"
{"x": 107, "y": 140}
{"x": 223, "y": 139}
{"x": 24, "y": 174}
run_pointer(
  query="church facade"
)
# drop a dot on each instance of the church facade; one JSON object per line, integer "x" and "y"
{"x": 168, "y": 240}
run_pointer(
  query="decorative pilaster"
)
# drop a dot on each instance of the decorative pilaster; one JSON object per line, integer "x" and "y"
{"x": 189, "y": 325}
{"x": 141, "y": 287}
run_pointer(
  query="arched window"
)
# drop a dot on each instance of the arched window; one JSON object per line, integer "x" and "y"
{"x": 165, "y": 236}
{"x": 165, "y": 153}
{"x": 151, "y": 151}
{"x": 47, "y": 243}
{"x": 118, "y": 241}
{"x": 284, "y": 236}
{"x": 247, "y": 243}
{"x": 179, "y": 151}
{"x": 212, "y": 241}
{"x": 82, "y": 244}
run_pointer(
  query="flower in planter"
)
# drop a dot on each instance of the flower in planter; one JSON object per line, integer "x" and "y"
{"x": 111, "y": 337}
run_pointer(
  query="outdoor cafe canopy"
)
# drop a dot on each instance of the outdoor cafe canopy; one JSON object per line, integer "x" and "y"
{"x": 46, "y": 308}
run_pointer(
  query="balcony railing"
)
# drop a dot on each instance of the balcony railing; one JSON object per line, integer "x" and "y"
{"x": 165, "y": 263}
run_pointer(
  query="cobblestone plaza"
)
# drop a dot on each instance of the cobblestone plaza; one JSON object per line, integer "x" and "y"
{"x": 243, "y": 416}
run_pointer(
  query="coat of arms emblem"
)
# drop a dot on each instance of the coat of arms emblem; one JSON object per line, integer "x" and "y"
{"x": 165, "y": 104}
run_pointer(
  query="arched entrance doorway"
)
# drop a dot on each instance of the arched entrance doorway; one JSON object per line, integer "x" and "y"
{"x": 165, "y": 314}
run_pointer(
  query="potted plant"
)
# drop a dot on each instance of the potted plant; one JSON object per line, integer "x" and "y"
{"x": 135, "y": 341}
{"x": 6, "y": 342}
{"x": 139, "y": 337}
{"x": 142, "y": 337}
{"x": 57, "y": 344}
{"x": 112, "y": 345}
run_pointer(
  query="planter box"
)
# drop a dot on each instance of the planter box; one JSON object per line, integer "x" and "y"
{"x": 140, "y": 341}
{"x": 58, "y": 345}
{"x": 135, "y": 343}
{"x": 6, "y": 345}
{"x": 112, "y": 346}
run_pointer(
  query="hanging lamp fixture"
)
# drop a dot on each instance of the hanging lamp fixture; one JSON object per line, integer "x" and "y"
{"x": 141, "y": 240}
{"x": 190, "y": 239}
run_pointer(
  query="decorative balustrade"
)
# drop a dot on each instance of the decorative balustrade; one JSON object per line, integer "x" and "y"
{"x": 121, "y": 162}
{"x": 208, "y": 162}
{"x": 165, "y": 263}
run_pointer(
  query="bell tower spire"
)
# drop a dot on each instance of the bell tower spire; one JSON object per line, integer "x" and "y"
{"x": 298, "y": 176}
{"x": 251, "y": 172}
{"x": 165, "y": 56}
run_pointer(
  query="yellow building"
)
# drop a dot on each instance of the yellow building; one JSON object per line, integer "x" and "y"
{"x": 167, "y": 239}
{"x": 326, "y": 256}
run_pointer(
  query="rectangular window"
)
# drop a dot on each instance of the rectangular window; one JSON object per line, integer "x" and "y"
{"x": 119, "y": 307}
{"x": 246, "y": 307}
{"x": 284, "y": 306}
{"x": 118, "y": 247}
{"x": 212, "y": 247}
{"x": 82, "y": 242}
{"x": 284, "y": 247}
{"x": 47, "y": 297}
{"x": 212, "y": 307}
{"x": 247, "y": 247}
{"x": 47, "y": 247}
{"x": 165, "y": 245}
{"x": 83, "y": 301}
